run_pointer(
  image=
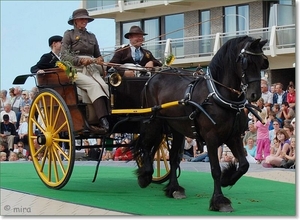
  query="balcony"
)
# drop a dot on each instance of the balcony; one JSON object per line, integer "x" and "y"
{"x": 191, "y": 51}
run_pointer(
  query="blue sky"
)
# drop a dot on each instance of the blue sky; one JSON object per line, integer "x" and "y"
{"x": 26, "y": 27}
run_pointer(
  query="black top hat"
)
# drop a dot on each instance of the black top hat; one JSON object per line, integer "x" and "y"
{"x": 55, "y": 38}
{"x": 5, "y": 117}
{"x": 135, "y": 30}
{"x": 79, "y": 13}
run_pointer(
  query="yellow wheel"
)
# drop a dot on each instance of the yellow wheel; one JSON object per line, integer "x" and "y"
{"x": 161, "y": 163}
{"x": 51, "y": 138}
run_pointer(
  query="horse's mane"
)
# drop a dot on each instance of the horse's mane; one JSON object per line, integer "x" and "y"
{"x": 226, "y": 56}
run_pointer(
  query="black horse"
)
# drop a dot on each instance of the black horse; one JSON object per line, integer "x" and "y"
{"x": 211, "y": 109}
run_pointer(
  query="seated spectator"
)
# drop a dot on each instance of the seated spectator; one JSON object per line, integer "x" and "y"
{"x": 250, "y": 150}
{"x": 3, "y": 156}
{"x": 252, "y": 132}
{"x": 273, "y": 118}
{"x": 282, "y": 139}
{"x": 22, "y": 133}
{"x": 4, "y": 148}
{"x": 3, "y": 99}
{"x": 293, "y": 123}
{"x": 202, "y": 157}
{"x": 21, "y": 151}
{"x": 190, "y": 148}
{"x": 272, "y": 133}
{"x": 7, "y": 132}
{"x": 287, "y": 113}
{"x": 123, "y": 153}
{"x": 227, "y": 155}
{"x": 8, "y": 111}
{"x": 24, "y": 114}
{"x": 108, "y": 154}
{"x": 289, "y": 159}
{"x": 13, "y": 156}
{"x": 277, "y": 110}
{"x": 291, "y": 96}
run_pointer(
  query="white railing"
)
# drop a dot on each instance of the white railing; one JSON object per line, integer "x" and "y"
{"x": 207, "y": 45}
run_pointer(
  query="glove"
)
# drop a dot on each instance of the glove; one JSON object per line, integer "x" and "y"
{"x": 86, "y": 61}
{"x": 99, "y": 60}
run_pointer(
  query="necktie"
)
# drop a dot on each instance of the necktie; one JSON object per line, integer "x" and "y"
{"x": 137, "y": 55}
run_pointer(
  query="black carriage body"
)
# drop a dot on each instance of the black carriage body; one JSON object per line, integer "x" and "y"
{"x": 127, "y": 96}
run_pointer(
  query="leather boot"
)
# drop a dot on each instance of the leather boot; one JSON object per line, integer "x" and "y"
{"x": 100, "y": 107}
{"x": 104, "y": 124}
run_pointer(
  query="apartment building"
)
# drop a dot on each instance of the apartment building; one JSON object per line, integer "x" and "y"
{"x": 194, "y": 30}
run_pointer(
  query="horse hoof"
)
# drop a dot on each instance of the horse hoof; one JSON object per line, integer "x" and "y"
{"x": 144, "y": 181}
{"x": 226, "y": 208}
{"x": 178, "y": 195}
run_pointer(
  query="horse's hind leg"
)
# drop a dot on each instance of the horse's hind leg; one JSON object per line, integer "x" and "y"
{"x": 173, "y": 189}
{"x": 148, "y": 142}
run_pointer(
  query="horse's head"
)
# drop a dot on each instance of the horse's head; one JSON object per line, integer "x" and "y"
{"x": 251, "y": 61}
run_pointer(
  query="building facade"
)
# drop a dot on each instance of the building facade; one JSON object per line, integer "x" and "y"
{"x": 194, "y": 30}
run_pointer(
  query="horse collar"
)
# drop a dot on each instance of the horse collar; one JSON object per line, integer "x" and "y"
{"x": 219, "y": 98}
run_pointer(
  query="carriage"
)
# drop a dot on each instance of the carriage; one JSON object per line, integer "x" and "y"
{"x": 172, "y": 103}
{"x": 59, "y": 121}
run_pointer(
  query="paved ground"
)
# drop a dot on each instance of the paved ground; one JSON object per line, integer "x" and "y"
{"x": 34, "y": 205}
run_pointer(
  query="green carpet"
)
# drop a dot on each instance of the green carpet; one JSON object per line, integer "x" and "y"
{"x": 116, "y": 189}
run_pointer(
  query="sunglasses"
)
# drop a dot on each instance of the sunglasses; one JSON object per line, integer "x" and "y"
{"x": 20, "y": 145}
{"x": 275, "y": 124}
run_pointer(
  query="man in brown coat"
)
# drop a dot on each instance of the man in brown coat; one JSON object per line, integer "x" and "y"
{"x": 134, "y": 53}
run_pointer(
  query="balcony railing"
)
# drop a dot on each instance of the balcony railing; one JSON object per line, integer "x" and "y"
{"x": 280, "y": 40}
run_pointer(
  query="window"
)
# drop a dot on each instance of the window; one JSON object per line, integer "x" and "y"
{"x": 174, "y": 25}
{"x": 236, "y": 19}
{"x": 205, "y": 30}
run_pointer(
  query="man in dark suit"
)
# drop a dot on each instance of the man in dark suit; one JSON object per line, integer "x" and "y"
{"x": 7, "y": 132}
{"x": 134, "y": 53}
{"x": 48, "y": 60}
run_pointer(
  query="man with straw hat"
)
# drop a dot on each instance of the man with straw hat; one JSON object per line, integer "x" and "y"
{"x": 81, "y": 48}
{"x": 134, "y": 53}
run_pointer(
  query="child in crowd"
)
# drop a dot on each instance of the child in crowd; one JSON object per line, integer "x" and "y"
{"x": 290, "y": 158}
{"x": 274, "y": 160}
{"x": 262, "y": 141}
{"x": 4, "y": 148}
{"x": 3, "y": 156}
{"x": 13, "y": 156}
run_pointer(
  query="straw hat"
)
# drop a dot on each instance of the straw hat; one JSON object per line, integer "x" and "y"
{"x": 79, "y": 13}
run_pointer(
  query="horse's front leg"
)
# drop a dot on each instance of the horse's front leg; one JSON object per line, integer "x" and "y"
{"x": 232, "y": 173}
{"x": 173, "y": 189}
{"x": 218, "y": 201}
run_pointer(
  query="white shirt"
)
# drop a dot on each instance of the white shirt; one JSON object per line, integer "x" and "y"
{"x": 11, "y": 114}
{"x": 188, "y": 146}
{"x": 23, "y": 129}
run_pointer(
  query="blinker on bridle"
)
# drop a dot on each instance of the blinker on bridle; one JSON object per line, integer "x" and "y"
{"x": 244, "y": 64}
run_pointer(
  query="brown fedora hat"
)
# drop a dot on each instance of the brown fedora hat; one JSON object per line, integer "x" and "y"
{"x": 79, "y": 13}
{"x": 135, "y": 30}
